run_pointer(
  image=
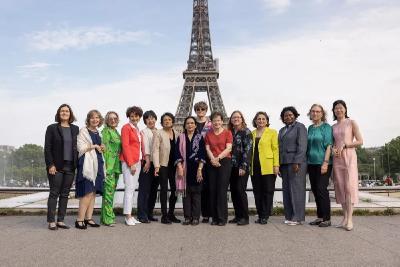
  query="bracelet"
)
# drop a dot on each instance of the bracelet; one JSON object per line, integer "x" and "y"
{"x": 326, "y": 161}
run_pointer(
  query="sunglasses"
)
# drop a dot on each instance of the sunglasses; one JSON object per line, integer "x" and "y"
{"x": 201, "y": 109}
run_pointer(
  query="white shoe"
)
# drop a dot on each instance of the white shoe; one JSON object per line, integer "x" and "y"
{"x": 293, "y": 223}
{"x": 286, "y": 222}
{"x": 129, "y": 221}
{"x": 135, "y": 221}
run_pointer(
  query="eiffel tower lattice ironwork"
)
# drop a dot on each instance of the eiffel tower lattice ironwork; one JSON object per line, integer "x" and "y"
{"x": 202, "y": 71}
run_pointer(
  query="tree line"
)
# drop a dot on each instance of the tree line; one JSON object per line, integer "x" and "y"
{"x": 27, "y": 163}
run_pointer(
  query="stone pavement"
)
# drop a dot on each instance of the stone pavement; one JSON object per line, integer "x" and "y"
{"x": 39, "y": 201}
{"x": 375, "y": 241}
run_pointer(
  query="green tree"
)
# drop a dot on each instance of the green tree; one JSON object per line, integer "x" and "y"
{"x": 28, "y": 163}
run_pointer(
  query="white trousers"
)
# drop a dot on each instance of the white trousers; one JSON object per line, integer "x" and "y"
{"x": 131, "y": 182}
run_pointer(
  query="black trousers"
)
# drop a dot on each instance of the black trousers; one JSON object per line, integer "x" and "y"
{"x": 167, "y": 174}
{"x": 192, "y": 202}
{"x": 145, "y": 184}
{"x": 153, "y": 195}
{"x": 60, "y": 185}
{"x": 238, "y": 186}
{"x": 218, "y": 186}
{"x": 319, "y": 186}
{"x": 263, "y": 190}
{"x": 205, "y": 196}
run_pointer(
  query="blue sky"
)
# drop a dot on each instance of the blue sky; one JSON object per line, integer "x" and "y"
{"x": 273, "y": 53}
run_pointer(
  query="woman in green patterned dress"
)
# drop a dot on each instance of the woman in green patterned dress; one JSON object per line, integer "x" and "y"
{"x": 112, "y": 142}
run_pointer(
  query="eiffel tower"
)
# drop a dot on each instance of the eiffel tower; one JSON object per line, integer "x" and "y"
{"x": 202, "y": 71}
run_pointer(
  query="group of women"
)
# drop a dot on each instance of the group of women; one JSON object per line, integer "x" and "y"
{"x": 200, "y": 164}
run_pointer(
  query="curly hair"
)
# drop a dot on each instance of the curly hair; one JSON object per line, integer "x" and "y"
{"x": 291, "y": 109}
{"x": 167, "y": 114}
{"x": 135, "y": 110}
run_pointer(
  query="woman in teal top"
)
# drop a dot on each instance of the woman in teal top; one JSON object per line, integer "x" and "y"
{"x": 112, "y": 142}
{"x": 319, "y": 163}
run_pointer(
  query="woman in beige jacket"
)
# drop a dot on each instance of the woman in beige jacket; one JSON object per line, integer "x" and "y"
{"x": 164, "y": 158}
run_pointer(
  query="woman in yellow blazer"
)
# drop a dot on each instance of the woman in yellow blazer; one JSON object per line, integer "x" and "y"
{"x": 264, "y": 165}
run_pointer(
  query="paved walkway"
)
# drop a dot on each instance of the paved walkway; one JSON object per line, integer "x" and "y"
{"x": 39, "y": 201}
{"x": 375, "y": 241}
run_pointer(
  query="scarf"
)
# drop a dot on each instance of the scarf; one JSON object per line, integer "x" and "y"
{"x": 181, "y": 180}
{"x": 90, "y": 164}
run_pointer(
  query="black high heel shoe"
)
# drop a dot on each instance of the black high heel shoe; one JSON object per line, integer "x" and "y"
{"x": 80, "y": 225}
{"x": 91, "y": 223}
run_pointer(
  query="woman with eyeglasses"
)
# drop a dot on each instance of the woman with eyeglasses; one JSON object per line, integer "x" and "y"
{"x": 204, "y": 125}
{"x": 241, "y": 154}
{"x": 112, "y": 142}
{"x": 319, "y": 163}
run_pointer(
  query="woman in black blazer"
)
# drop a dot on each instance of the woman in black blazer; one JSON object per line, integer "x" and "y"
{"x": 61, "y": 156}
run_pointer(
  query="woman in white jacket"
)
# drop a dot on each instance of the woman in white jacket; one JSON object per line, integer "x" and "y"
{"x": 90, "y": 176}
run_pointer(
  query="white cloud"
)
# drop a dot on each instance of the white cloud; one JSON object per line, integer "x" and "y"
{"x": 37, "y": 71}
{"x": 278, "y": 6}
{"x": 84, "y": 37}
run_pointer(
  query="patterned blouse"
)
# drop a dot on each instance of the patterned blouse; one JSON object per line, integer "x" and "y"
{"x": 242, "y": 149}
{"x": 112, "y": 142}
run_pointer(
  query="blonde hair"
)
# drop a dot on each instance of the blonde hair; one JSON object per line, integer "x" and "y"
{"x": 107, "y": 117}
{"x": 90, "y": 115}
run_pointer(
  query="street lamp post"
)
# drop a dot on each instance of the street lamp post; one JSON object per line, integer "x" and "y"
{"x": 374, "y": 169}
{"x": 32, "y": 161}
{"x": 4, "y": 170}
{"x": 388, "y": 158}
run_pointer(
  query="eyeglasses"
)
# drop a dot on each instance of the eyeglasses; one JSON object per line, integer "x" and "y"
{"x": 113, "y": 119}
{"x": 201, "y": 109}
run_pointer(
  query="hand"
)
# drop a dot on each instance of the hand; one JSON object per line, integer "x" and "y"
{"x": 296, "y": 168}
{"x": 199, "y": 175}
{"x": 156, "y": 171}
{"x": 242, "y": 172}
{"x": 214, "y": 161}
{"x": 276, "y": 170}
{"x": 98, "y": 148}
{"x": 179, "y": 170}
{"x": 146, "y": 167}
{"x": 52, "y": 170}
{"x": 324, "y": 168}
{"x": 133, "y": 169}
{"x": 337, "y": 151}
{"x": 102, "y": 147}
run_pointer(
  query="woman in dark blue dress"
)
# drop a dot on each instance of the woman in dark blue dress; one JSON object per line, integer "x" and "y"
{"x": 90, "y": 176}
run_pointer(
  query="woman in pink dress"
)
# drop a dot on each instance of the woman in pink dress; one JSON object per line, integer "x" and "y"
{"x": 347, "y": 137}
